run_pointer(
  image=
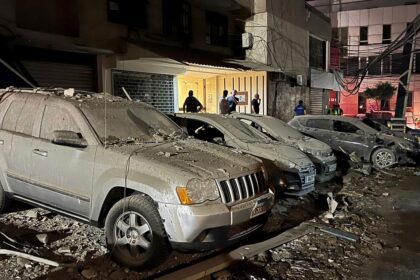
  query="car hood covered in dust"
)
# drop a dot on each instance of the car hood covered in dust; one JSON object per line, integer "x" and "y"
{"x": 307, "y": 143}
{"x": 279, "y": 152}
{"x": 189, "y": 158}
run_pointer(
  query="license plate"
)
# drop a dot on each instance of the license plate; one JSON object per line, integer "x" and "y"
{"x": 310, "y": 179}
{"x": 260, "y": 208}
{"x": 332, "y": 167}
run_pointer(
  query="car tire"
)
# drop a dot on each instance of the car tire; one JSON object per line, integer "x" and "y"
{"x": 135, "y": 234}
{"x": 4, "y": 200}
{"x": 383, "y": 157}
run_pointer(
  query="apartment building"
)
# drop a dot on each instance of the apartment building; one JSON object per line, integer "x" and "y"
{"x": 160, "y": 49}
{"x": 361, "y": 31}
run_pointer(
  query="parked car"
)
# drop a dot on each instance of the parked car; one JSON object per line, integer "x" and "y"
{"x": 290, "y": 170}
{"x": 128, "y": 168}
{"x": 320, "y": 153}
{"x": 350, "y": 135}
{"x": 412, "y": 135}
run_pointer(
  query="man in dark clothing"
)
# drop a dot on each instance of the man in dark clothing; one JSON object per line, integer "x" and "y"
{"x": 232, "y": 101}
{"x": 255, "y": 104}
{"x": 300, "y": 109}
{"x": 192, "y": 104}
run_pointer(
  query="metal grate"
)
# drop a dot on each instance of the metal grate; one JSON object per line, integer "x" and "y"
{"x": 242, "y": 188}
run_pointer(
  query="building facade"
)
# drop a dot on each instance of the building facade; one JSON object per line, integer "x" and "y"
{"x": 160, "y": 49}
{"x": 361, "y": 31}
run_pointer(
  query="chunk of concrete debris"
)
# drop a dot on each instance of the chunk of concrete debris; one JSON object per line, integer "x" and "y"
{"x": 332, "y": 206}
{"x": 69, "y": 92}
{"x": 64, "y": 250}
{"x": 43, "y": 238}
{"x": 32, "y": 214}
{"x": 385, "y": 194}
{"x": 89, "y": 273}
{"x": 22, "y": 262}
{"x": 222, "y": 275}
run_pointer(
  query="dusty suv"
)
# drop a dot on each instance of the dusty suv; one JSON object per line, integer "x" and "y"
{"x": 320, "y": 153}
{"x": 126, "y": 166}
{"x": 289, "y": 170}
{"x": 349, "y": 135}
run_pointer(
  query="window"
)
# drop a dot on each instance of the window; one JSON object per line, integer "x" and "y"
{"x": 396, "y": 63}
{"x": 56, "y": 119}
{"x": 50, "y": 16}
{"x": 25, "y": 123}
{"x": 176, "y": 18}
{"x": 386, "y": 65}
{"x": 318, "y": 123}
{"x": 410, "y": 99}
{"x": 362, "y": 104}
{"x": 340, "y": 36}
{"x": 363, "y": 35}
{"x": 217, "y": 29}
{"x": 12, "y": 114}
{"x": 345, "y": 127}
{"x": 374, "y": 69}
{"x": 386, "y": 34}
{"x": 203, "y": 131}
{"x": 416, "y": 67}
{"x": 317, "y": 50}
{"x": 128, "y": 12}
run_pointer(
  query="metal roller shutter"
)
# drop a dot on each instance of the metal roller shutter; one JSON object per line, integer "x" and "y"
{"x": 317, "y": 101}
{"x": 57, "y": 74}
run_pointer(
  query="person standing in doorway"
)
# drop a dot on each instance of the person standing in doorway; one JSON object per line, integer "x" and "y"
{"x": 255, "y": 104}
{"x": 232, "y": 101}
{"x": 223, "y": 104}
{"x": 191, "y": 104}
{"x": 300, "y": 109}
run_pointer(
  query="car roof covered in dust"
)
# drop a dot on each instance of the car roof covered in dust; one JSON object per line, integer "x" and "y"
{"x": 328, "y": 117}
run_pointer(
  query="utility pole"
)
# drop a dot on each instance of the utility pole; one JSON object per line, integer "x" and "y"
{"x": 404, "y": 81}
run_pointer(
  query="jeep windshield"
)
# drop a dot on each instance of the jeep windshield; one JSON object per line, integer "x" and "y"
{"x": 130, "y": 123}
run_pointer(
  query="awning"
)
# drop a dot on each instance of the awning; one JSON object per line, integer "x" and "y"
{"x": 186, "y": 56}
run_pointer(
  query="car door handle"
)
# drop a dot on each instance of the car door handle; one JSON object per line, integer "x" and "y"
{"x": 41, "y": 153}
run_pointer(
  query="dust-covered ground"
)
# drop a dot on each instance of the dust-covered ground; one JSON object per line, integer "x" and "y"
{"x": 383, "y": 210}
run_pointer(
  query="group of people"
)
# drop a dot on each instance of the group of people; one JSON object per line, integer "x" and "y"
{"x": 227, "y": 104}
{"x": 335, "y": 110}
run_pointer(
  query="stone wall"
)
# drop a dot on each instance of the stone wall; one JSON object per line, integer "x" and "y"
{"x": 154, "y": 89}
{"x": 282, "y": 98}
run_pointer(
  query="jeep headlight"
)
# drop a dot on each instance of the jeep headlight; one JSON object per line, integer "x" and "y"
{"x": 406, "y": 146}
{"x": 198, "y": 191}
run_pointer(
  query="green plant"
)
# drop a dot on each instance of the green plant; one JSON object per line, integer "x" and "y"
{"x": 381, "y": 92}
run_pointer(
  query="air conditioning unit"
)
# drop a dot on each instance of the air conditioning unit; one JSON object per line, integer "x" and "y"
{"x": 299, "y": 80}
{"x": 247, "y": 40}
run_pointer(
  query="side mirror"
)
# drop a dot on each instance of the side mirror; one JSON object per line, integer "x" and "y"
{"x": 68, "y": 138}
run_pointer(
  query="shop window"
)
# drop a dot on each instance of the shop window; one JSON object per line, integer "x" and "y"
{"x": 363, "y": 35}
{"x": 386, "y": 34}
{"x": 217, "y": 29}
{"x": 416, "y": 68}
{"x": 128, "y": 12}
{"x": 386, "y": 65}
{"x": 362, "y": 104}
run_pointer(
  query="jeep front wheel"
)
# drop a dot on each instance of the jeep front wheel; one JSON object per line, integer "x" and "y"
{"x": 135, "y": 234}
